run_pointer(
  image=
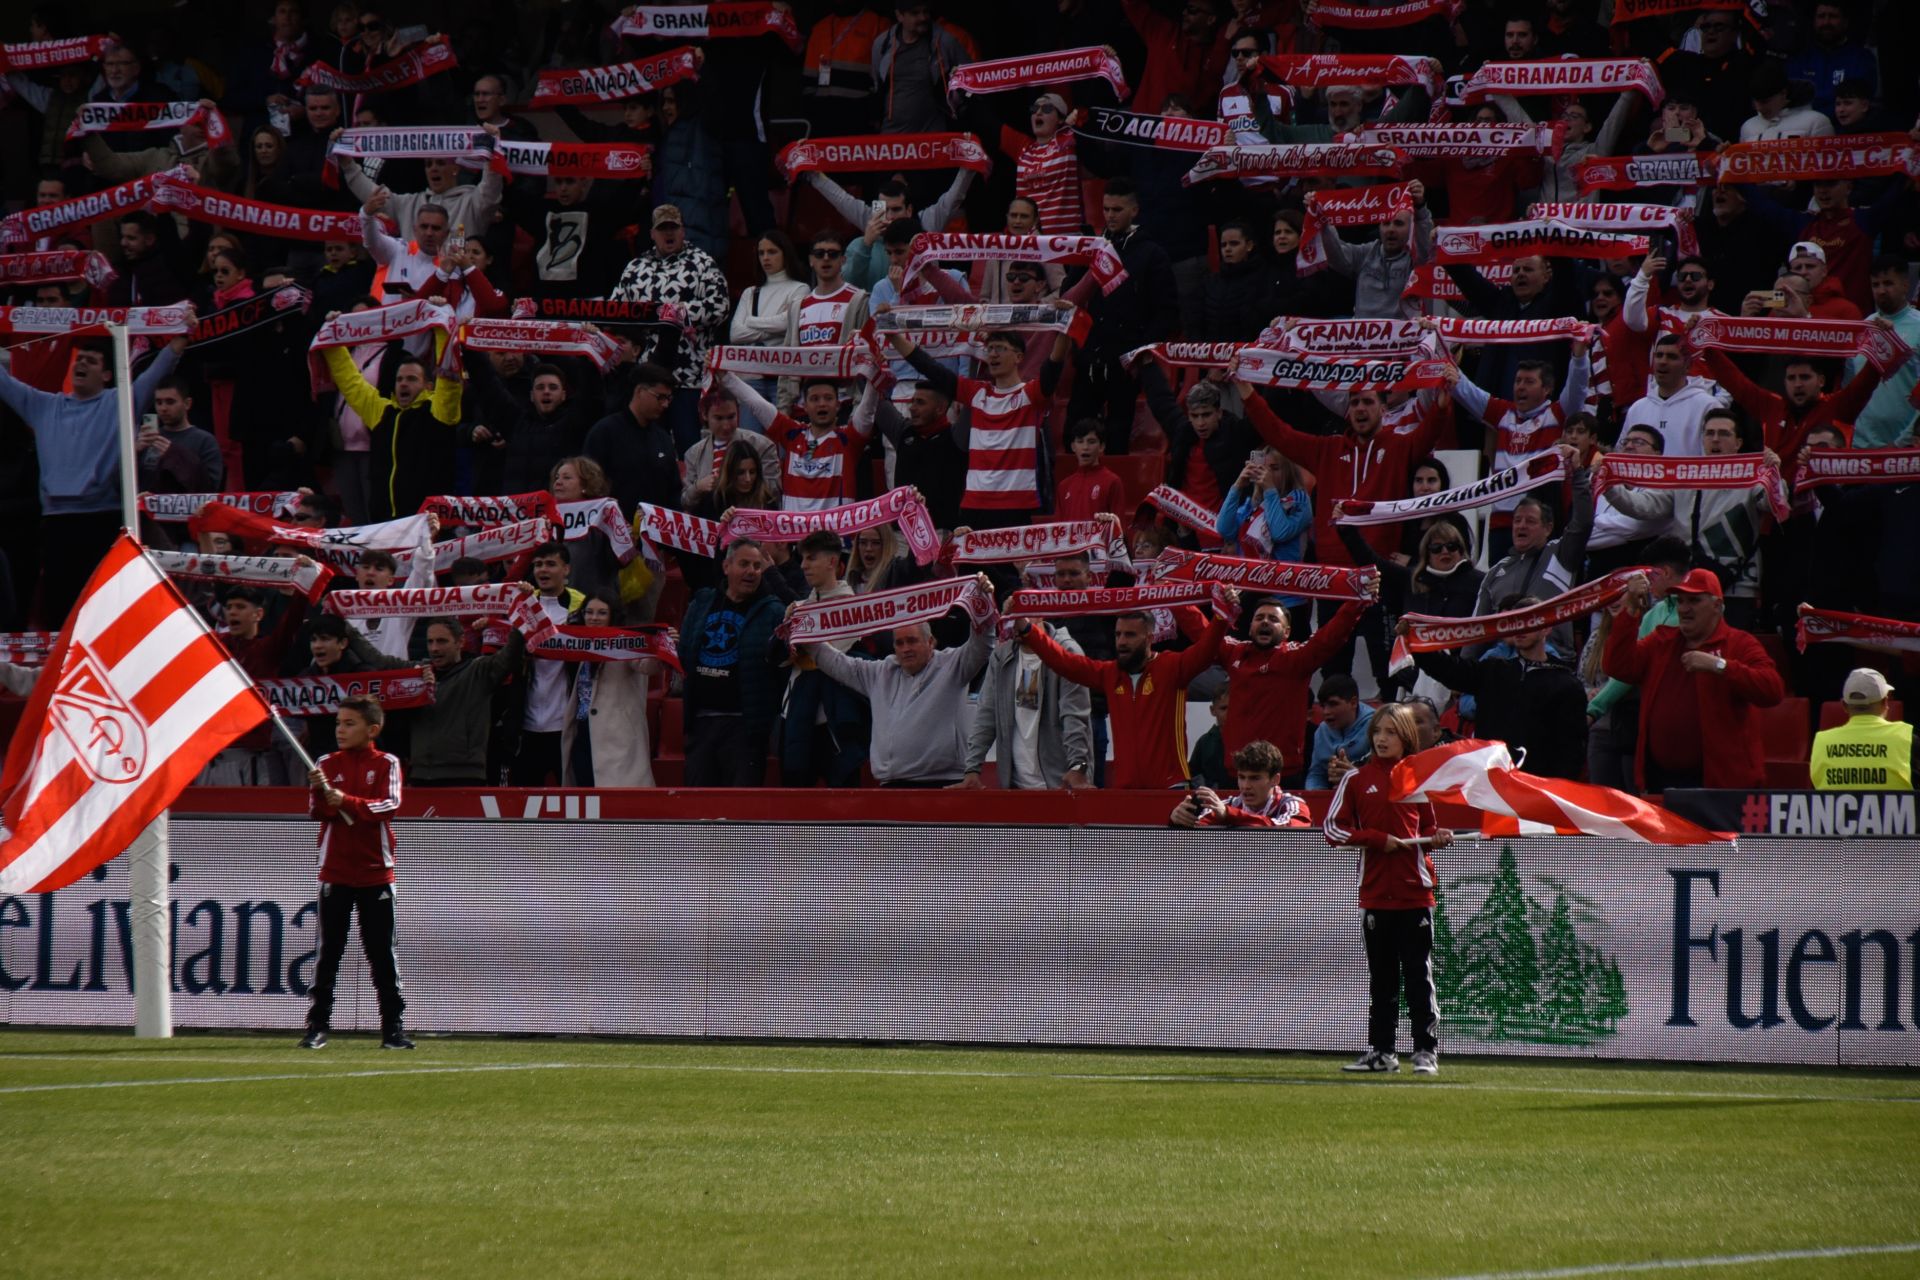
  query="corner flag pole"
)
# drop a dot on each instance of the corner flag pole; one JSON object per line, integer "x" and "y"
{"x": 149, "y": 858}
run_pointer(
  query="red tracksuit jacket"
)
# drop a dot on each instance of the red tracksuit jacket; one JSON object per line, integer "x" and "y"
{"x": 1148, "y": 717}
{"x": 359, "y": 855}
{"x": 1269, "y": 687}
{"x": 1362, "y": 815}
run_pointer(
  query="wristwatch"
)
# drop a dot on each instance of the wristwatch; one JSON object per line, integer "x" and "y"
{"x": 1722, "y": 668}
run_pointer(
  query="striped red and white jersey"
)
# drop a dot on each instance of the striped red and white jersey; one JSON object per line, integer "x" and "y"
{"x": 823, "y": 317}
{"x": 1048, "y": 173}
{"x": 1003, "y": 445}
{"x": 816, "y": 472}
{"x": 361, "y": 853}
{"x": 1516, "y": 437}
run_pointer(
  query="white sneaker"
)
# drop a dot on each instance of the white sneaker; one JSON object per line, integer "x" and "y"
{"x": 1426, "y": 1063}
{"x": 1374, "y": 1060}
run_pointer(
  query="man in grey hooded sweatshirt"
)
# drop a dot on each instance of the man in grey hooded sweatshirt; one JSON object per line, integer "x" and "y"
{"x": 1380, "y": 270}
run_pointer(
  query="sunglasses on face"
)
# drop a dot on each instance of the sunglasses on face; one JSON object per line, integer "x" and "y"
{"x": 372, "y": 24}
{"x": 827, "y": 253}
{"x": 1246, "y": 53}
{"x": 1435, "y": 548}
{"x": 1691, "y": 275}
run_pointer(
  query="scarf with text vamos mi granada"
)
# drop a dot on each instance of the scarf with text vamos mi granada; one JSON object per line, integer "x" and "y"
{"x": 1064, "y": 67}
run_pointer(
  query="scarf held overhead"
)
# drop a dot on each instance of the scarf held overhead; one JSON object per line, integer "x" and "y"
{"x": 883, "y": 151}
{"x": 584, "y": 86}
{"x": 309, "y": 579}
{"x": 1429, "y": 634}
{"x": 1321, "y": 581}
{"x": 1530, "y": 472}
{"x": 1062, "y": 67}
{"x": 1831, "y": 626}
{"x": 1095, "y": 253}
{"x": 850, "y": 617}
{"x": 1722, "y": 471}
{"x": 746, "y": 20}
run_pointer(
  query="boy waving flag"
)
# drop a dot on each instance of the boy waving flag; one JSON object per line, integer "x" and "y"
{"x": 136, "y": 697}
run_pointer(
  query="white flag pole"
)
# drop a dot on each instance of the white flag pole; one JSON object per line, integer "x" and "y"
{"x": 149, "y": 857}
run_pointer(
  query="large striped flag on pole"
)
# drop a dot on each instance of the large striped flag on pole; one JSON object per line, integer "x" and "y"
{"x": 1481, "y": 775}
{"x": 136, "y": 696}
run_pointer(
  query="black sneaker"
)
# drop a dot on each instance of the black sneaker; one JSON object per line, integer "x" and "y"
{"x": 316, "y": 1038}
{"x": 395, "y": 1038}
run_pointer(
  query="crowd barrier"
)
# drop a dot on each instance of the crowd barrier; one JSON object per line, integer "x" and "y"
{"x": 1777, "y": 950}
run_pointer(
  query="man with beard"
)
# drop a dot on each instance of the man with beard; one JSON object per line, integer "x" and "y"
{"x": 450, "y": 736}
{"x": 1267, "y": 678}
{"x": 1146, "y": 693}
{"x": 1787, "y": 419}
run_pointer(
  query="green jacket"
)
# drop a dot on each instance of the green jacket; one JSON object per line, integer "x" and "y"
{"x": 450, "y": 737}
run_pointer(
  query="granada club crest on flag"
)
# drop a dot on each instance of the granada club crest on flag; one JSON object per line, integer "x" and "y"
{"x": 136, "y": 696}
{"x": 108, "y": 737}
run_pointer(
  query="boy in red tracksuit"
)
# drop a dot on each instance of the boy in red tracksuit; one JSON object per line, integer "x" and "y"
{"x": 1262, "y": 801}
{"x": 356, "y": 791}
{"x": 1146, "y": 694}
{"x": 1396, "y": 893}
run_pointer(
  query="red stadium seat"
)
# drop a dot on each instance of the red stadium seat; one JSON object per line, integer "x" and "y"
{"x": 1834, "y": 714}
{"x": 1785, "y": 733}
{"x": 1777, "y": 650}
{"x": 671, "y": 742}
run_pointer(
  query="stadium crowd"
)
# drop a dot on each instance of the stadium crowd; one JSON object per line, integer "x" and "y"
{"x": 1468, "y": 307}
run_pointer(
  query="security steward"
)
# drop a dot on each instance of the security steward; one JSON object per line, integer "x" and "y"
{"x": 1869, "y": 752}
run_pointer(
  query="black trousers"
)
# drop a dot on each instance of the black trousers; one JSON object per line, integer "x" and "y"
{"x": 538, "y": 759}
{"x": 723, "y": 752}
{"x": 71, "y": 548}
{"x": 1400, "y": 956}
{"x": 338, "y": 902}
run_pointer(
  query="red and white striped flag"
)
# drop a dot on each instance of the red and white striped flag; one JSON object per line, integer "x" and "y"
{"x": 136, "y": 697}
{"x": 1481, "y": 775}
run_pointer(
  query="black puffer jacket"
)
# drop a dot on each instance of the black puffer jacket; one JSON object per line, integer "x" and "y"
{"x": 1233, "y": 304}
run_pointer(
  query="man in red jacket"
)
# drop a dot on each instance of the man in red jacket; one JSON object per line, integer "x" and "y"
{"x": 356, "y": 792}
{"x": 1267, "y": 680}
{"x": 1146, "y": 694}
{"x": 1700, "y": 685}
{"x": 1787, "y": 420}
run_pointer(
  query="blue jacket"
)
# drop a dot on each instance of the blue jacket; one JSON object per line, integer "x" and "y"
{"x": 79, "y": 440}
{"x": 761, "y": 683}
{"x": 1358, "y": 740}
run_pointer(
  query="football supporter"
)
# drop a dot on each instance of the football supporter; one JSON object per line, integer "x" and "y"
{"x": 1397, "y": 880}
{"x": 1269, "y": 679}
{"x": 1262, "y": 801}
{"x": 732, "y": 684}
{"x": 1146, "y": 694}
{"x": 1701, "y": 685}
{"x": 1036, "y": 721}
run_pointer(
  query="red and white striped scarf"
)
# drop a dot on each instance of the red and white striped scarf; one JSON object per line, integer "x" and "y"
{"x": 1062, "y": 67}
{"x": 1427, "y": 281}
{"x": 1722, "y": 471}
{"x": 1047, "y": 541}
{"x": 26, "y": 648}
{"x": 850, "y": 617}
{"x": 666, "y": 527}
{"x": 578, "y": 519}
{"x": 903, "y": 506}
{"x": 1186, "y": 355}
{"x": 1362, "y": 70}
{"x": 1625, "y": 173}
{"x": 1857, "y": 466}
{"x": 1565, "y": 76}
{"x": 1345, "y": 337}
{"x": 381, "y": 324}
{"x": 57, "y": 266}
{"x": 566, "y": 643}
{"x": 1320, "y": 581}
{"x": 422, "y": 142}
{"x": 177, "y": 507}
{"x": 401, "y": 689}
{"x": 1857, "y": 155}
{"x": 741, "y": 20}
{"x": 1096, "y": 253}
{"x": 1831, "y": 626}
{"x": 867, "y": 153}
{"x": 134, "y": 117}
{"x": 489, "y": 599}
{"x": 309, "y": 579}
{"x": 552, "y": 337}
{"x": 1297, "y": 160}
{"x": 1625, "y": 217}
{"x": 1625, "y": 11}
{"x": 612, "y": 160}
{"x": 855, "y": 359}
{"x": 288, "y": 57}
{"x": 1186, "y": 512}
{"x": 279, "y": 221}
{"x": 1495, "y": 332}
{"x": 1530, "y": 472}
{"x": 1465, "y": 141}
{"x": 43, "y": 221}
{"x": 1352, "y": 207}
{"x": 143, "y": 322}
{"x": 428, "y": 58}
{"x": 583, "y": 86}
{"x": 1383, "y": 17}
{"x": 1506, "y": 241}
{"x": 1267, "y": 367}
{"x": 38, "y": 55}
{"x": 515, "y": 541}
{"x": 1832, "y": 339}
{"x": 1429, "y": 634}
{"x": 1051, "y": 602}
{"x": 1168, "y": 133}
{"x": 486, "y": 512}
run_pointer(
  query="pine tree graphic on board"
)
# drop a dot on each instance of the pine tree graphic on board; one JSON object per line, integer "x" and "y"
{"x": 1518, "y": 970}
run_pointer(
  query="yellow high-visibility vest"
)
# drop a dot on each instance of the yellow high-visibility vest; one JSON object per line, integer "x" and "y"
{"x": 1864, "y": 754}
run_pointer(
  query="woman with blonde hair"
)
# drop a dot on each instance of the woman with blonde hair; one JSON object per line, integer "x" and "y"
{"x": 1396, "y": 893}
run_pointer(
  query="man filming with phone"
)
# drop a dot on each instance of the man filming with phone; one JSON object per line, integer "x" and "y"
{"x": 174, "y": 455}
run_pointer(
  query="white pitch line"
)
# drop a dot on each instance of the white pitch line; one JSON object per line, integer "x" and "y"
{"x": 289, "y": 1075}
{"x": 959, "y": 1073}
{"x": 1688, "y": 1264}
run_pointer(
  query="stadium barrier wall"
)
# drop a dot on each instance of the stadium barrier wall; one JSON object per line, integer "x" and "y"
{"x": 1778, "y": 950}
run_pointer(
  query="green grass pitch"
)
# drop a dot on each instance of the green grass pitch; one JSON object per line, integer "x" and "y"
{"x": 215, "y": 1156}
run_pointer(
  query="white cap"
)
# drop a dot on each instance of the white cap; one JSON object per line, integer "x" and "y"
{"x": 1807, "y": 249}
{"x": 1865, "y": 687}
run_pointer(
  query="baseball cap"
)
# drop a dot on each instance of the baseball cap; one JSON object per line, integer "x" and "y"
{"x": 667, "y": 215}
{"x": 1807, "y": 249}
{"x": 1865, "y": 687}
{"x": 1700, "y": 582}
